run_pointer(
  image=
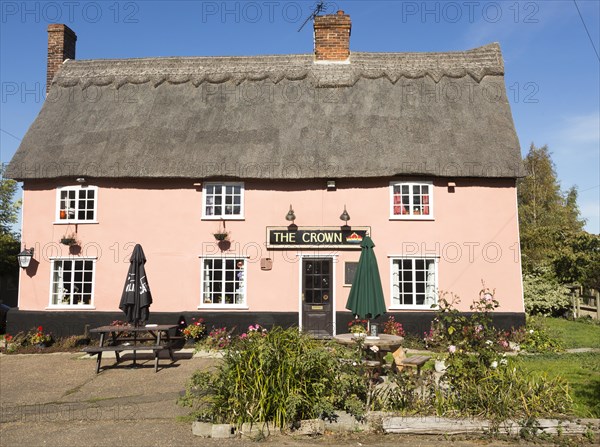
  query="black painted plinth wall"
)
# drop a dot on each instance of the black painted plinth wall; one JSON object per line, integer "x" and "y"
{"x": 63, "y": 324}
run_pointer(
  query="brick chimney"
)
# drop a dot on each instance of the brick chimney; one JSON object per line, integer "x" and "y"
{"x": 61, "y": 46}
{"x": 332, "y": 37}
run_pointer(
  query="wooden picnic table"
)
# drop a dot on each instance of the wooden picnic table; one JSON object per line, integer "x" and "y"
{"x": 384, "y": 342}
{"x": 119, "y": 338}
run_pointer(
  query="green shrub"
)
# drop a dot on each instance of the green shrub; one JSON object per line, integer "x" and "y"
{"x": 281, "y": 376}
{"x": 544, "y": 295}
{"x": 453, "y": 330}
{"x": 537, "y": 338}
{"x": 406, "y": 393}
{"x": 505, "y": 392}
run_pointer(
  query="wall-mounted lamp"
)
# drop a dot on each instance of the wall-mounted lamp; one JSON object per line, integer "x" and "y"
{"x": 25, "y": 257}
{"x": 345, "y": 216}
{"x": 330, "y": 185}
{"x": 290, "y": 216}
{"x": 80, "y": 179}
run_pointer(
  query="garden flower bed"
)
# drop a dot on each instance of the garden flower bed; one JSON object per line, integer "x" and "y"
{"x": 283, "y": 376}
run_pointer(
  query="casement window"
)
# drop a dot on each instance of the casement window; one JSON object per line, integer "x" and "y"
{"x": 223, "y": 282}
{"x": 411, "y": 200}
{"x": 223, "y": 201}
{"x": 72, "y": 282}
{"x": 414, "y": 282}
{"x": 76, "y": 204}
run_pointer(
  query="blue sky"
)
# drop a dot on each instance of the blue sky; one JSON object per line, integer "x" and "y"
{"x": 550, "y": 51}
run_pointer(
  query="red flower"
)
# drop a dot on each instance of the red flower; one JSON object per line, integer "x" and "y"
{"x": 40, "y": 328}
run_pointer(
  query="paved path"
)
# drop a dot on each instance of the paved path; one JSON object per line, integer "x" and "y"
{"x": 58, "y": 400}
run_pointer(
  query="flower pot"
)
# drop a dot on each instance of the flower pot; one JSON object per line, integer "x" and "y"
{"x": 220, "y": 236}
{"x": 359, "y": 334}
{"x": 68, "y": 241}
{"x": 440, "y": 366}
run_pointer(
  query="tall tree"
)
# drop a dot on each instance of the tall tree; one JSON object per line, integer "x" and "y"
{"x": 9, "y": 211}
{"x": 546, "y": 214}
{"x": 578, "y": 261}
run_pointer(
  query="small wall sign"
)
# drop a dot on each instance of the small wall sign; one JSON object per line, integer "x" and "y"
{"x": 316, "y": 237}
{"x": 349, "y": 272}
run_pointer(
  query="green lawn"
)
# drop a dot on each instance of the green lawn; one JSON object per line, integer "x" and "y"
{"x": 573, "y": 334}
{"x": 581, "y": 370}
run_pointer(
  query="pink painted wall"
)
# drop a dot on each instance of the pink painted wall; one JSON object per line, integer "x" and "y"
{"x": 475, "y": 233}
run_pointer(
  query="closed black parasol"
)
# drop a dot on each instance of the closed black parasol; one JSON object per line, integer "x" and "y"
{"x": 136, "y": 298}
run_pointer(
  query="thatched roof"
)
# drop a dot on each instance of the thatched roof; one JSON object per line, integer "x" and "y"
{"x": 381, "y": 115}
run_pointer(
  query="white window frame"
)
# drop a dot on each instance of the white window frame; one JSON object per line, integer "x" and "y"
{"x": 223, "y": 216}
{"x": 393, "y": 283}
{"x": 53, "y": 264}
{"x": 411, "y": 205}
{"x": 244, "y": 304}
{"x": 77, "y": 189}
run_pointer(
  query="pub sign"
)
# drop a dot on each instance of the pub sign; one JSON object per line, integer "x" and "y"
{"x": 316, "y": 237}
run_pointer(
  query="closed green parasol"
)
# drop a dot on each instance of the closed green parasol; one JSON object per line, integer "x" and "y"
{"x": 366, "y": 296}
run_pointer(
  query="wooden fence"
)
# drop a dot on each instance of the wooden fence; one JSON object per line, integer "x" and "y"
{"x": 585, "y": 302}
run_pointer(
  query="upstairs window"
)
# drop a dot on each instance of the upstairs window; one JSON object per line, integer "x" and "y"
{"x": 223, "y": 201}
{"x": 76, "y": 204}
{"x": 411, "y": 200}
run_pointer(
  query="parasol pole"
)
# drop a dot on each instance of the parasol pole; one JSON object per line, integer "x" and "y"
{"x": 135, "y": 325}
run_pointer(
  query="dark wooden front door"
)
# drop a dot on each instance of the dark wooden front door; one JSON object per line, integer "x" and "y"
{"x": 317, "y": 296}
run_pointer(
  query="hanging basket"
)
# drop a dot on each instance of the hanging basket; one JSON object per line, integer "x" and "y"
{"x": 69, "y": 241}
{"x": 220, "y": 236}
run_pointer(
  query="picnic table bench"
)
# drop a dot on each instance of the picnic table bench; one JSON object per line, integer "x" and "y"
{"x": 120, "y": 340}
{"x": 416, "y": 361}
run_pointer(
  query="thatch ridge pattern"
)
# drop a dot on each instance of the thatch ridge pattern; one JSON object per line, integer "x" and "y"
{"x": 477, "y": 63}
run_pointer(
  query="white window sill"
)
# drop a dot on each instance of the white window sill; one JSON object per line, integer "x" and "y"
{"x": 412, "y": 218}
{"x": 420, "y": 307}
{"x": 71, "y": 307}
{"x": 78, "y": 222}
{"x": 225, "y": 218}
{"x": 223, "y": 307}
